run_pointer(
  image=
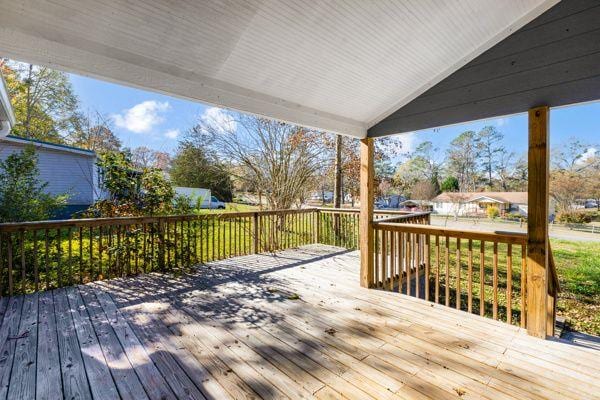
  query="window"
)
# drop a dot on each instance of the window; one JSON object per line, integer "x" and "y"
{"x": 214, "y": 199}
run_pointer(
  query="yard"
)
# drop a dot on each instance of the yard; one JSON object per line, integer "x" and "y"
{"x": 578, "y": 265}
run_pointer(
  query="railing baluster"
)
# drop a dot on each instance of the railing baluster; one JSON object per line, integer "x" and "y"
{"x": 458, "y": 267}
{"x": 447, "y": 272}
{"x": 408, "y": 266}
{"x": 418, "y": 266}
{"x": 393, "y": 252}
{"x": 495, "y": 281}
{"x": 427, "y": 265}
{"x": 91, "y": 250}
{"x": 437, "y": 269}
{"x": 10, "y": 264}
{"x": 22, "y": 250}
{"x": 109, "y": 251}
{"x": 482, "y": 279}
{"x": 36, "y": 272}
{"x": 70, "y": 254}
{"x": 509, "y": 284}
{"x": 523, "y": 285}
{"x": 58, "y": 257}
{"x": 470, "y": 281}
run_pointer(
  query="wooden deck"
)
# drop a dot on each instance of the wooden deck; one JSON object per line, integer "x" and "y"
{"x": 292, "y": 325}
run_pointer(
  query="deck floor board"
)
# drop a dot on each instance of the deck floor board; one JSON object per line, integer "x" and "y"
{"x": 289, "y": 325}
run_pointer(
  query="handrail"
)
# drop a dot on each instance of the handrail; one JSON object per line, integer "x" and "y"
{"x": 420, "y": 216}
{"x": 504, "y": 236}
{"x": 78, "y": 222}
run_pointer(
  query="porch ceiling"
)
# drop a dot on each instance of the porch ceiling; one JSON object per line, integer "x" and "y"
{"x": 340, "y": 66}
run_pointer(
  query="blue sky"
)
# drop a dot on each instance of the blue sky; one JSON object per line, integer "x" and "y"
{"x": 157, "y": 121}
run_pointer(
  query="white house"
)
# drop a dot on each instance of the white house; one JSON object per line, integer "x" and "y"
{"x": 476, "y": 203}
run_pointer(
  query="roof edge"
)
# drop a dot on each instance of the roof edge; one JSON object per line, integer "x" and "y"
{"x": 49, "y": 145}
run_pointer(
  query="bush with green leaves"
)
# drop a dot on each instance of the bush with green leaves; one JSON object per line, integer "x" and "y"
{"x": 131, "y": 191}
{"x": 23, "y": 197}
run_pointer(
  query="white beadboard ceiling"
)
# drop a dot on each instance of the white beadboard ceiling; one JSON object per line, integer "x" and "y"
{"x": 337, "y": 65}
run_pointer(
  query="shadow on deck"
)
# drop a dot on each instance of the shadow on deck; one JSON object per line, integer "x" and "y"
{"x": 289, "y": 325}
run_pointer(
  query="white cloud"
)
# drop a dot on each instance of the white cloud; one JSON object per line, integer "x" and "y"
{"x": 172, "y": 133}
{"x": 219, "y": 119}
{"x": 142, "y": 117}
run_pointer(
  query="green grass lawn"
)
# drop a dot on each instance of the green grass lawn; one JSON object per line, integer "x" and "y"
{"x": 578, "y": 266}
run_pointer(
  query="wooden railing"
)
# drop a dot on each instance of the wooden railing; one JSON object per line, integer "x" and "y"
{"x": 49, "y": 254}
{"x": 478, "y": 272}
{"x": 339, "y": 226}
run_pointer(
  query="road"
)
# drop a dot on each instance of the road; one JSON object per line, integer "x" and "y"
{"x": 556, "y": 232}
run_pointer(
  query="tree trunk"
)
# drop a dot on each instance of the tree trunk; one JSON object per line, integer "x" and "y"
{"x": 337, "y": 187}
{"x": 28, "y": 103}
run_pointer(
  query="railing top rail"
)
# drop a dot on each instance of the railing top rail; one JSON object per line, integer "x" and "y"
{"x": 495, "y": 236}
{"x": 85, "y": 222}
{"x": 357, "y": 210}
{"x": 396, "y": 218}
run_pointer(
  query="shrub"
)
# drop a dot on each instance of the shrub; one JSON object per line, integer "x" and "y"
{"x": 131, "y": 192}
{"x": 492, "y": 212}
{"x": 23, "y": 196}
{"x": 573, "y": 217}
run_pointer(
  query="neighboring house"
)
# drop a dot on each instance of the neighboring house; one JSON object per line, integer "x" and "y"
{"x": 416, "y": 205}
{"x": 204, "y": 196}
{"x": 465, "y": 204}
{"x": 68, "y": 170}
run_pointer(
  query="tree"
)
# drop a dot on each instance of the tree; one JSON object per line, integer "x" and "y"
{"x": 489, "y": 148}
{"x": 23, "y": 196}
{"x": 45, "y": 106}
{"x": 280, "y": 160}
{"x": 337, "y": 183}
{"x": 462, "y": 160}
{"x": 574, "y": 156}
{"x": 566, "y": 187}
{"x": 422, "y": 165}
{"x": 143, "y": 157}
{"x": 95, "y": 133}
{"x": 450, "y": 184}
{"x": 573, "y": 169}
{"x": 423, "y": 190}
{"x": 193, "y": 167}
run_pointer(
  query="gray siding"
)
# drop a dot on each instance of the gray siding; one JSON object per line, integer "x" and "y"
{"x": 65, "y": 172}
{"x": 554, "y": 60}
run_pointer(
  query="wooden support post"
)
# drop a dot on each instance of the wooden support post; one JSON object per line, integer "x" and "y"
{"x": 366, "y": 236}
{"x": 537, "y": 223}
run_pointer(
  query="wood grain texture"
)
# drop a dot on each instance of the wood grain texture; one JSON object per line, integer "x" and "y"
{"x": 233, "y": 331}
{"x": 367, "y": 176}
{"x": 537, "y": 221}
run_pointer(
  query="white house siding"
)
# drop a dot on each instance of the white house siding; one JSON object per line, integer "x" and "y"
{"x": 66, "y": 172}
{"x": 447, "y": 208}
